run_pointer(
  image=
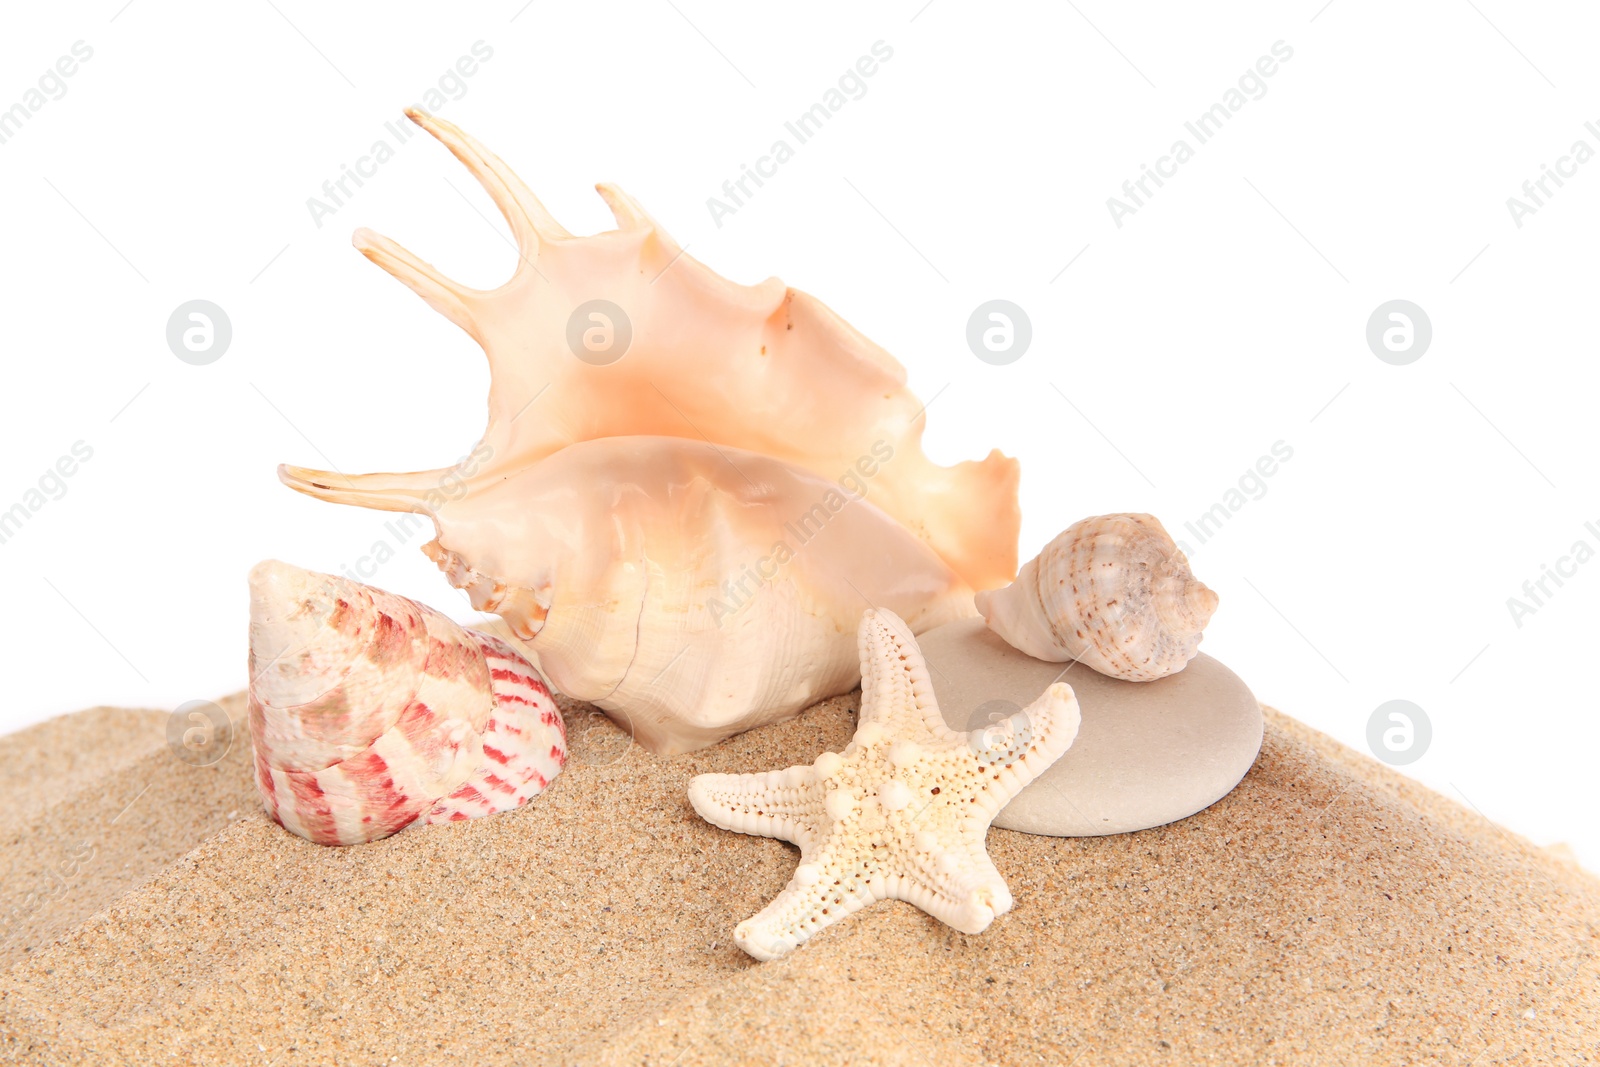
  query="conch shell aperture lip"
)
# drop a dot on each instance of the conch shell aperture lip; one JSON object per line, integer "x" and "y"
{"x": 1113, "y": 592}
{"x": 685, "y": 536}
{"x": 369, "y": 712}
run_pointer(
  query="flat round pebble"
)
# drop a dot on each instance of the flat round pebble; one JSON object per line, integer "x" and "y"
{"x": 1147, "y": 753}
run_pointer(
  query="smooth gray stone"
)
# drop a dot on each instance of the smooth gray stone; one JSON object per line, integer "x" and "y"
{"x": 1147, "y": 753}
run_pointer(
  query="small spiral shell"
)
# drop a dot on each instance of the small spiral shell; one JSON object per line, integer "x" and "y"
{"x": 1113, "y": 592}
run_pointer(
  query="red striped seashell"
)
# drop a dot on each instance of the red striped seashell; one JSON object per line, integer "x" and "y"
{"x": 370, "y": 712}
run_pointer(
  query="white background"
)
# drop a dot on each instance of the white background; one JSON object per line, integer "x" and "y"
{"x": 1227, "y": 314}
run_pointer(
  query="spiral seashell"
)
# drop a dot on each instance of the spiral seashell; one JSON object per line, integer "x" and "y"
{"x": 682, "y": 522}
{"x": 1113, "y": 592}
{"x": 687, "y": 591}
{"x": 370, "y": 712}
{"x": 760, "y": 367}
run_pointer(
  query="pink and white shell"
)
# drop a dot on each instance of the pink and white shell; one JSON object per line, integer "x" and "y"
{"x": 370, "y": 712}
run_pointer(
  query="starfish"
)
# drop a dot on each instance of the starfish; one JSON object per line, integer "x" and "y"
{"x": 902, "y": 813}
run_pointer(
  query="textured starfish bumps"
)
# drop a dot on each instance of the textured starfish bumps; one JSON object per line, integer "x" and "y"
{"x": 901, "y": 813}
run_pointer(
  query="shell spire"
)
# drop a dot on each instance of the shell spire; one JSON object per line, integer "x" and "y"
{"x": 687, "y": 354}
{"x": 370, "y": 712}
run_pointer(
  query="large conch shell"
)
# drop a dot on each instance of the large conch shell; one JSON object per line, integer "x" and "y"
{"x": 370, "y": 712}
{"x": 1113, "y": 592}
{"x": 691, "y": 592}
{"x": 763, "y": 367}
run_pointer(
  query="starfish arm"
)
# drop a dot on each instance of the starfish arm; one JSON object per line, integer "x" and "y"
{"x": 822, "y": 892}
{"x": 1014, "y": 752}
{"x": 783, "y": 804}
{"x": 960, "y": 886}
{"x": 896, "y": 692}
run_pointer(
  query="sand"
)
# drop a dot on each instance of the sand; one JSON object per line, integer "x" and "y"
{"x": 1327, "y": 911}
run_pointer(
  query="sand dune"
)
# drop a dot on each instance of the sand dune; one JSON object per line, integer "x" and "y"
{"x": 1327, "y": 911}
